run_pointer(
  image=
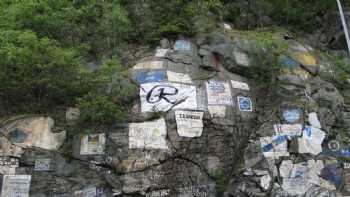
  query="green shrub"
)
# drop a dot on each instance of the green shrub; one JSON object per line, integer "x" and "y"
{"x": 97, "y": 108}
{"x": 36, "y": 69}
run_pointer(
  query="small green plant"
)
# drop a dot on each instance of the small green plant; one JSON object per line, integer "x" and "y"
{"x": 221, "y": 182}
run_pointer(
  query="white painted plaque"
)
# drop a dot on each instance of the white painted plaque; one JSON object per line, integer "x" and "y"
{"x": 189, "y": 123}
{"x": 148, "y": 135}
{"x": 163, "y": 96}
{"x": 149, "y": 65}
{"x": 93, "y": 144}
{"x": 240, "y": 85}
{"x": 217, "y": 111}
{"x": 178, "y": 77}
{"x": 218, "y": 93}
{"x": 16, "y": 185}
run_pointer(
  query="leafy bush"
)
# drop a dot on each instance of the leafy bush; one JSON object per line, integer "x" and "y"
{"x": 110, "y": 90}
{"x": 35, "y": 69}
{"x": 100, "y": 25}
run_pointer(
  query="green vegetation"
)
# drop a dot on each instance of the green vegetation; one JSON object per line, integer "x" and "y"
{"x": 221, "y": 182}
{"x": 265, "y": 46}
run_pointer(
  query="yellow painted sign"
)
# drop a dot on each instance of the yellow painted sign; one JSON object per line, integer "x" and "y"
{"x": 305, "y": 58}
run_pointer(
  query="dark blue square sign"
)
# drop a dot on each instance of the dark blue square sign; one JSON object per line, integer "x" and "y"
{"x": 245, "y": 104}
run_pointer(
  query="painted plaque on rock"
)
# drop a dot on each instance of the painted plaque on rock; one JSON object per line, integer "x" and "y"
{"x": 148, "y": 135}
{"x": 149, "y": 65}
{"x": 93, "y": 144}
{"x": 163, "y": 96}
{"x": 217, "y": 111}
{"x": 292, "y": 115}
{"x": 161, "y": 52}
{"x": 218, "y": 93}
{"x": 240, "y": 85}
{"x": 42, "y": 165}
{"x": 179, "y": 77}
{"x": 189, "y": 123}
{"x": 245, "y": 104}
{"x": 150, "y": 76}
{"x": 16, "y": 185}
{"x": 182, "y": 45}
{"x": 87, "y": 192}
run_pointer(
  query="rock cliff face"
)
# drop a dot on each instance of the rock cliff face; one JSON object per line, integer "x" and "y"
{"x": 223, "y": 114}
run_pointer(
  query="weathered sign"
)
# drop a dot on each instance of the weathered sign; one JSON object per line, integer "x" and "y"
{"x": 240, "y": 85}
{"x": 148, "y": 135}
{"x": 161, "y": 52}
{"x": 218, "y": 93}
{"x": 163, "y": 96}
{"x": 179, "y": 77}
{"x": 182, "y": 45}
{"x": 16, "y": 185}
{"x": 311, "y": 141}
{"x": 292, "y": 115}
{"x": 150, "y": 76}
{"x": 93, "y": 144}
{"x": 87, "y": 192}
{"x": 288, "y": 129}
{"x": 149, "y": 65}
{"x": 189, "y": 123}
{"x": 42, "y": 165}
{"x": 274, "y": 147}
{"x": 217, "y": 111}
{"x": 245, "y": 104}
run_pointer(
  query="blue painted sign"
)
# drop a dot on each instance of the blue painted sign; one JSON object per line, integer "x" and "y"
{"x": 279, "y": 140}
{"x": 245, "y": 104}
{"x": 288, "y": 62}
{"x": 334, "y": 149}
{"x": 292, "y": 115}
{"x": 182, "y": 45}
{"x": 150, "y": 76}
{"x": 333, "y": 173}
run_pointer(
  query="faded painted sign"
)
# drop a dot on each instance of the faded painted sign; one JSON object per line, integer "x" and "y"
{"x": 217, "y": 111}
{"x": 292, "y": 115}
{"x": 274, "y": 147}
{"x": 148, "y": 135}
{"x": 189, "y": 123}
{"x": 179, "y": 77}
{"x": 218, "y": 93}
{"x": 150, "y": 76}
{"x": 245, "y": 104}
{"x": 288, "y": 129}
{"x": 87, "y": 192}
{"x": 202, "y": 191}
{"x": 313, "y": 120}
{"x": 161, "y": 52}
{"x": 311, "y": 141}
{"x": 240, "y": 85}
{"x": 241, "y": 58}
{"x": 332, "y": 172}
{"x": 164, "y": 96}
{"x": 93, "y": 144}
{"x": 182, "y": 45}
{"x": 8, "y": 165}
{"x": 305, "y": 58}
{"x": 42, "y": 165}
{"x": 149, "y": 65}
{"x": 16, "y": 185}
{"x": 159, "y": 193}
{"x": 288, "y": 63}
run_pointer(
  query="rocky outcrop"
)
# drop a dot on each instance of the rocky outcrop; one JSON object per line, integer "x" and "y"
{"x": 202, "y": 126}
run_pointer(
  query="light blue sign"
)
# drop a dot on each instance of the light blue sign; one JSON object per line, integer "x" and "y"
{"x": 182, "y": 45}
{"x": 292, "y": 115}
{"x": 150, "y": 76}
